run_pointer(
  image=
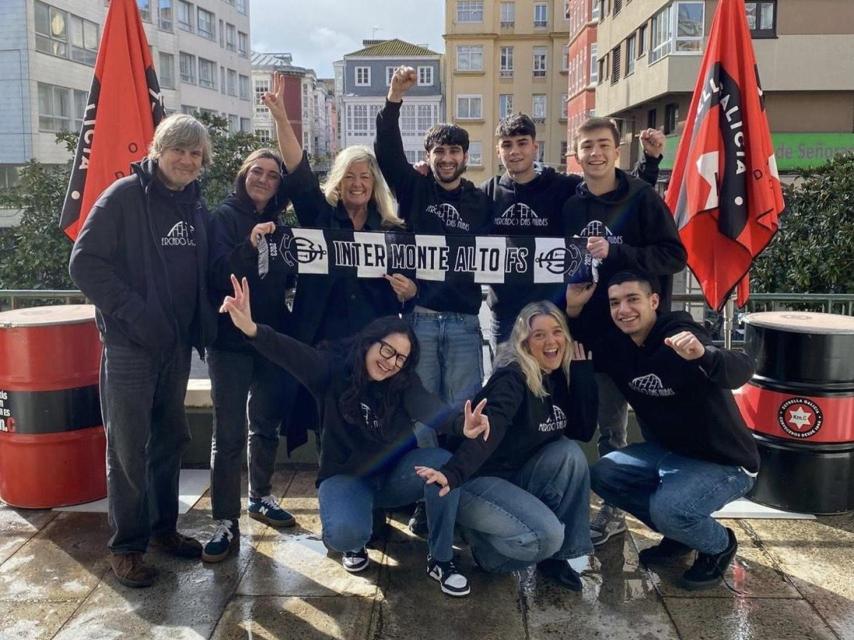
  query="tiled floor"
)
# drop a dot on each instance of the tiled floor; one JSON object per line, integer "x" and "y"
{"x": 791, "y": 579}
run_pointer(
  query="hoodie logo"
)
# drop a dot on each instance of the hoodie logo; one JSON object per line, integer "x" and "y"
{"x": 369, "y": 417}
{"x": 651, "y": 385}
{"x": 180, "y": 235}
{"x": 519, "y": 214}
{"x": 555, "y": 422}
{"x": 600, "y": 230}
{"x": 449, "y": 216}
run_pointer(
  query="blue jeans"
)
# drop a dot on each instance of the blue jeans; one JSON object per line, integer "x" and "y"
{"x": 541, "y": 512}
{"x": 613, "y": 416}
{"x": 236, "y": 376}
{"x": 450, "y": 362}
{"x": 142, "y": 402}
{"x": 347, "y": 503}
{"x": 672, "y": 494}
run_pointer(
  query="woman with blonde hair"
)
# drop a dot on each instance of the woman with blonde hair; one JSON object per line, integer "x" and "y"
{"x": 525, "y": 492}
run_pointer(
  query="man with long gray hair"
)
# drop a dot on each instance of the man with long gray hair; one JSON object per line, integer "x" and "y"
{"x": 142, "y": 259}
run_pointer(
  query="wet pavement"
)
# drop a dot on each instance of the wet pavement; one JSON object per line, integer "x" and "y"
{"x": 791, "y": 579}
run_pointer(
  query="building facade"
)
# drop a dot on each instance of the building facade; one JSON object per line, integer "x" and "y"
{"x": 650, "y": 53}
{"x": 366, "y": 75}
{"x": 583, "y": 71}
{"x": 502, "y": 58}
{"x": 200, "y": 51}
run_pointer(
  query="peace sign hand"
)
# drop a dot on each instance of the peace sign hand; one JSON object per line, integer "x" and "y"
{"x": 476, "y": 423}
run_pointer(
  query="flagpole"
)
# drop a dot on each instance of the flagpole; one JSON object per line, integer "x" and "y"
{"x": 729, "y": 312}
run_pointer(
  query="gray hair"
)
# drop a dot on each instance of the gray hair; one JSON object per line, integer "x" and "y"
{"x": 181, "y": 131}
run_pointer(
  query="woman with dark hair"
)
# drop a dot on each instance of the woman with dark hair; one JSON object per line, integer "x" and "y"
{"x": 525, "y": 493}
{"x": 369, "y": 395}
{"x": 237, "y": 371}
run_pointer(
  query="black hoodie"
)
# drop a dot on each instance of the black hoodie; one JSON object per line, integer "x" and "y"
{"x": 641, "y": 233}
{"x": 428, "y": 208}
{"x": 685, "y": 406}
{"x": 535, "y": 209}
{"x": 521, "y": 424}
{"x": 120, "y": 264}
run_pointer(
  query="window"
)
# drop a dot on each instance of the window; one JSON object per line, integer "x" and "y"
{"x": 389, "y": 72}
{"x": 185, "y": 15}
{"x": 240, "y": 5}
{"x": 469, "y": 107}
{"x": 615, "y": 64}
{"x": 60, "y": 108}
{"x": 164, "y": 16}
{"x": 56, "y": 30}
{"x": 230, "y": 37}
{"x": 618, "y": 6}
{"x": 167, "y": 70}
{"x": 631, "y": 54}
{"x": 661, "y": 35}
{"x": 541, "y": 151}
{"x": 187, "y": 64}
{"x": 144, "y": 9}
{"x": 242, "y": 43}
{"x": 505, "y": 105}
{"x": 562, "y": 105}
{"x": 541, "y": 15}
{"x": 221, "y": 34}
{"x": 231, "y": 82}
{"x": 470, "y": 58}
{"x": 233, "y": 123}
{"x": 222, "y": 80}
{"x": 425, "y": 76}
{"x": 205, "y": 24}
{"x": 671, "y": 116}
{"x": 207, "y": 73}
{"x": 505, "y": 67}
{"x": 427, "y": 117}
{"x": 594, "y": 63}
{"x": 363, "y": 76}
{"x": 188, "y": 109}
{"x": 357, "y": 119}
{"x": 596, "y": 11}
{"x": 261, "y": 87}
{"x": 689, "y": 26}
{"x": 538, "y": 107}
{"x": 245, "y": 124}
{"x": 564, "y": 58}
{"x": 263, "y": 135}
{"x": 243, "y": 83}
{"x": 651, "y": 119}
{"x": 409, "y": 120}
{"x": 475, "y": 153}
{"x": 762, "y": 18}
{"x": 469, "y": 10}
{"x": 540, "y": 58}
{"x": 641, "y": 40}
{"x": 508, "y": 14}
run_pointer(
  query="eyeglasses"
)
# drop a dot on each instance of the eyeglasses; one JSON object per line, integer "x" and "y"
{"x": 387, "y": 351}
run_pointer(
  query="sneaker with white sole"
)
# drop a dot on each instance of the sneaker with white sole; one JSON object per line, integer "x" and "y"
{"x": 225, "y": 539}
{"x": 268, "y": 511}
{"x": 449, "y": 578}
{"x": 355, "y": 561}
{"x": 608, "y": 523}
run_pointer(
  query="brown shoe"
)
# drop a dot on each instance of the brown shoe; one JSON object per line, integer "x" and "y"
{"x": 177, "y": 544}
{"x": 131, "y": 570}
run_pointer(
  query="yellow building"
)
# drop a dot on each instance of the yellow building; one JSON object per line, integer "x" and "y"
{"x": 501, "y": 58}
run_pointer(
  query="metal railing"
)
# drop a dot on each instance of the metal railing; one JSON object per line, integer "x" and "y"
{"x": 18, "y": 298}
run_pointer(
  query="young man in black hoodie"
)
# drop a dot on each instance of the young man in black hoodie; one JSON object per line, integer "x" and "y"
{"x": 698, "y": 454}
{"x": 445, "y": 317}
{"x": 142, "y": 259}
{"x": 627, "y": 226}
{"x": 527, "y": 201}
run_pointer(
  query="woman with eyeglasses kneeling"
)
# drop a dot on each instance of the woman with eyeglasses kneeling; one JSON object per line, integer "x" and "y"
{"x": 368, "y": 396}
{"x": 525, "y": 493}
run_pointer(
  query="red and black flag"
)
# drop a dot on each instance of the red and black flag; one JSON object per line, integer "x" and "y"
{"x": 725, "y": 190}
{"x": 122, "y": 111}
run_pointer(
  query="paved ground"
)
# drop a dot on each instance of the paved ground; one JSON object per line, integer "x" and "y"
{"x": 792, "y": 579}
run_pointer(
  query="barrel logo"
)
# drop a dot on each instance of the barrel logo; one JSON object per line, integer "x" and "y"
{"x": 800, "y": 417}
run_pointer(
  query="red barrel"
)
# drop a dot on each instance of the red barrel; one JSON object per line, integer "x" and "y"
{"x": 52, "y": 443}
{"x": 800, "y": 406}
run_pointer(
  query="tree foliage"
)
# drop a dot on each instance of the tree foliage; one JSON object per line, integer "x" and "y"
{"x": 813, "y": 252}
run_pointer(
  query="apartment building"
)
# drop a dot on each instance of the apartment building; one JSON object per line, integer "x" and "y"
{"x": 200, "y": 51}
{"x": 583, "y": 71}
{"x": 650, "y": 53}
{"x": 502, "y": 58}
{"x": 366, "y": 75}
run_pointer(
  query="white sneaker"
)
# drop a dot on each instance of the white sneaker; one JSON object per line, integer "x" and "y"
{"x": 355, "y": 561}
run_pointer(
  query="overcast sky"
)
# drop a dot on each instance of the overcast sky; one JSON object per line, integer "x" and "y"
{"x": 318, "y": 32}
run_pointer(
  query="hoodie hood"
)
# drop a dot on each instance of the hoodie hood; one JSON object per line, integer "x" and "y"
{"x": 146, "y": 171}
{"x": 543, "y": 180}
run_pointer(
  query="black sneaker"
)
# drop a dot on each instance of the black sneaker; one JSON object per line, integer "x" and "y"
{"x": 666, "y": 550}
{"x": 418, "y": 521}
{"x": 561, "y": 572}
{"x": 224, "y": 540}
{"x": 608, "y": 523}
{"x": 355, "y": 561}
{"x": 708, "y": 569}
{"x": 449, "y": 578}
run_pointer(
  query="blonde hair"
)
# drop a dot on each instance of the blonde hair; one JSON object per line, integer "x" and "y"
{"x": 181, "y": 131}
{"x": 381, "y": 195}
{"x": 515, "y": 349}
